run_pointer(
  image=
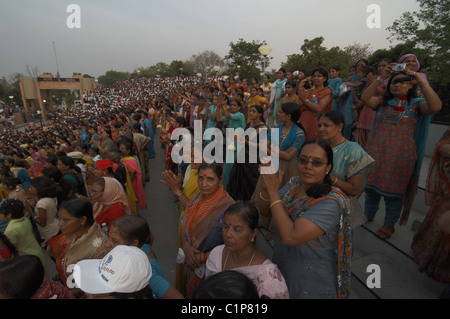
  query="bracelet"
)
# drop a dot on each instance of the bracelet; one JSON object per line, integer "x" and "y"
{"x": 307, "y": 100}
{"x": 179, "y": 194}
{"x": 335, "y": 181}
{"x": 275, "y": 202}
{"x": 264, "y": 199}
{"x": 380, "y": 80}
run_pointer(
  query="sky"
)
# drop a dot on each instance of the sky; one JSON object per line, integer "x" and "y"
{"x": 124, "y": 35}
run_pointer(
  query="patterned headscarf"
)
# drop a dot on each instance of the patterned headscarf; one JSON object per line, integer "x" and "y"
{"x": 403, "y": 58}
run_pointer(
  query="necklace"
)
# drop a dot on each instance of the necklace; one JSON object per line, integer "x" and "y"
{"x": 226, "y": 259}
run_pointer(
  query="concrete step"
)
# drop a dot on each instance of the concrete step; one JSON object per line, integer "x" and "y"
{"x": 399, "y": 273}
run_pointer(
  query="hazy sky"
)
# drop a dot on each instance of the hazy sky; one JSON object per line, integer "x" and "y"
{"x": 123, "y": 35}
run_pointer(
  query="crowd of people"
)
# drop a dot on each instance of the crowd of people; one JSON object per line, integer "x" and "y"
{"x": 74, "y": 188}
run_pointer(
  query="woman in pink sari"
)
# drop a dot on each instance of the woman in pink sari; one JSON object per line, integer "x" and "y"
{"x": 126, "y": 147}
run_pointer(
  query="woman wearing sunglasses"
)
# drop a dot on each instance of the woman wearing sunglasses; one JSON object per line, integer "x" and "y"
{"x": 312, "y": 224}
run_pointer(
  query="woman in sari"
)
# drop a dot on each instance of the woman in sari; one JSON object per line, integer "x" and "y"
{"x": 312, "y": 245}
{"x": 276, "y": 92}
{"x": 202, "y": 223}
{"x": 109, "y": 200}
{"x": 244, "y": 176}
{"x": 81, "y": 237}
{"x": 291, "y": 139}
{"x": 334, "y": 83}
{"x": 240, "y": 227}
{"x": 431, "y": 244}
{"x": 126, "y": 147}
{"x": 315, "y": 102}
{"x": 351, "y": 164}
{"x": 396, "y": 144}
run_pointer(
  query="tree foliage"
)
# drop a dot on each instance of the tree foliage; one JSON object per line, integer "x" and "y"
{"x": 246, "y": 55}
{"x": 314, "y": 54}
{"x": 427, "y": 33}
{"x": 204, "y": 62}
{"x": 111, "y": 77}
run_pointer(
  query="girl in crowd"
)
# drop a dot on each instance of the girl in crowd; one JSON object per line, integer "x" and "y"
{"x": 240, "y": 227}
{"x": 315, "y": 102}
{"x": 396, "y": 142}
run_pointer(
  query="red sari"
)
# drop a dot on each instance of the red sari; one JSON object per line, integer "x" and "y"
{"x": 310, "y": 119}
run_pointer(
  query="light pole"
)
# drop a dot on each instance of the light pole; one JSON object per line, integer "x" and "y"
{"x": 265, "y": 50}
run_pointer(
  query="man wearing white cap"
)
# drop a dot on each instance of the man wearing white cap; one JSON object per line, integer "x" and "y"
{"x": 123, "y": 273}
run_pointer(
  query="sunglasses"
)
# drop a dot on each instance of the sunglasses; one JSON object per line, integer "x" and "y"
{"x": 315, "y": 163}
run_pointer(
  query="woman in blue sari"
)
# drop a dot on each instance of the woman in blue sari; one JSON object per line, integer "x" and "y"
{"x": 347, "y": 105}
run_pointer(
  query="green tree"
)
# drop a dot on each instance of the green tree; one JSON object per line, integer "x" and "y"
{"x": 314, "y": 54}
{"x": 204, "y": 62}
{"x": 111, "y": 77}
{"x": 247, "y": 56}
{"x": 428, "y": 30}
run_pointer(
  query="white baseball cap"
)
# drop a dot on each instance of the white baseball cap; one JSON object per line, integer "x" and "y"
{"x": 124, "y": 269}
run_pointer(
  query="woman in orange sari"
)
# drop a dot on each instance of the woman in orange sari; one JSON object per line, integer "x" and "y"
{"x": 81, "y": 237}
{"x": 202, "y": 224}
{"x": 126, "y": 147}
{"x": 314, "y": 102}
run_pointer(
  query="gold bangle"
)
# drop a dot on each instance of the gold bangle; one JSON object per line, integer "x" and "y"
{"x": 179, "y": 194}
{"x": 264, "y": 199}
{"x": 275, "y": 202}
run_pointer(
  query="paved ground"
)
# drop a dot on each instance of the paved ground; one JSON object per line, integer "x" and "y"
{"x": 162, "y": 214}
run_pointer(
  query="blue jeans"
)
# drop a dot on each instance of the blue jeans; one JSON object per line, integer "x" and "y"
{"x": 393, "y": 207}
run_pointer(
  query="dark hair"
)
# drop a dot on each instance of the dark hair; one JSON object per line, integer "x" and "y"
{"x": 44, "y": 185}
{"x": 52, "y": 160}
{"x": 11, "y": 181}
{"x": 365, "y": 69}
{"x": 68, "y": 161}
{"x": 335, "y": 67}
{"x": 292, "y": 109}
{"x": 21, "y": 277}
{"x": 291, "y": 83}
{"x": 412, "y": 93}
{"x": 324, "y": 73}
{"x": 133, "y": 227}
{"x": 334, "y": 116}
{"x": 325, "y": 186}
{"x": 15, "y": 207}
{"x": 215, "y": 167}
{"x": 80, "y": 207}
{"x": 248, "y": 213}
{"x": 181, "y": 120}
{"x": 127, "y": 142}
{"x": 53, "y": 173}
{"x": 259, "y": 109}
{"x": 228, "y": 284}
{"x": 136, "y": 126}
